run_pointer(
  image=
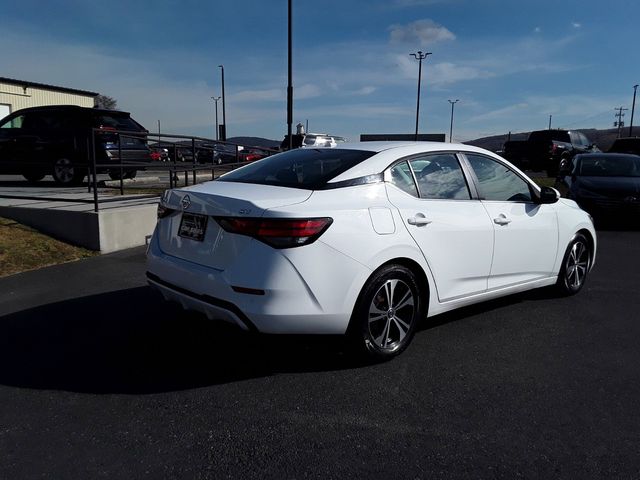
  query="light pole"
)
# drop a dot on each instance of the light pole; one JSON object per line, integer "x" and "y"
{"x": 215, "y": 99}
{"x": 633, "y": 107}
{"x": 453, "y": 103}
{"x": 223, "y": 128}
{"x": 289, "y": 79}
{"x": 419, "y": 56}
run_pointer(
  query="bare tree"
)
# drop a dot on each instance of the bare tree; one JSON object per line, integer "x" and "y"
{"x": 105, "y": 102}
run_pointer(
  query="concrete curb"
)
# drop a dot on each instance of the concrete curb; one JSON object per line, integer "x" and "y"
{"x": 130, "y": 181}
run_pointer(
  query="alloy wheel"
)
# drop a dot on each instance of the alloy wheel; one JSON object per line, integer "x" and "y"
{"x": 577, "y": 265}
{"x": 391, "y": 314}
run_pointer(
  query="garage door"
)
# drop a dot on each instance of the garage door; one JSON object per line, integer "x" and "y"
{"x": 4, "y": 110}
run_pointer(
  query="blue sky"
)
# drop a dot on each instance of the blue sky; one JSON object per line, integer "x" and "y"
{"x": 510, "y": 63}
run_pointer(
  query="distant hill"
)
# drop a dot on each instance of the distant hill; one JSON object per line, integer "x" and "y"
{"x": 602, "y": 138}
{"x": 255, "y": 142}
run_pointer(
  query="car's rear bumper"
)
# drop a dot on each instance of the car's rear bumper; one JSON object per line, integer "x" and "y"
{"x": 283, "y": 302}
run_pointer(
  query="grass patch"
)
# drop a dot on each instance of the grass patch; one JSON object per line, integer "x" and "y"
{"x": 545, "y": 181}
{"x": 22, "y": 248}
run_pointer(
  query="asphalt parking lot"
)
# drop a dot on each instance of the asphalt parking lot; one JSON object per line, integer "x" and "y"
{"x": 100, "y": 379}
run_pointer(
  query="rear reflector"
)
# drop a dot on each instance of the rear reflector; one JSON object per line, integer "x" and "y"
{"x": 280, "y": 232}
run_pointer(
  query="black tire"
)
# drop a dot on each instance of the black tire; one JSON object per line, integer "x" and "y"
{"x": 33, "y": 177}
{"x": 66, "y": 172}
{"x": 378, "y": 329}
{"x": 575, "y": 266}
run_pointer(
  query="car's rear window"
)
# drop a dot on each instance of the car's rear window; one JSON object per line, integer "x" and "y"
{"x": 548, "y": 135}
{"x": 617, "y": 165}
{"x": 117, "y": 122}
{"x": 307, "y": 168}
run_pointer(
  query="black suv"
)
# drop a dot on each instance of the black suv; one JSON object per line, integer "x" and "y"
{"x": 56, "y": 140}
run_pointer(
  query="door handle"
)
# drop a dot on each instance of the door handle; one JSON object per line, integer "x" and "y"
{"x": 502, "y": 220}
{"x": 418, "y": 220}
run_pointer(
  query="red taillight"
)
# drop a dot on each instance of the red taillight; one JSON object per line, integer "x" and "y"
{"x": 107, "y": 129}
{"x": 279, "y": 233}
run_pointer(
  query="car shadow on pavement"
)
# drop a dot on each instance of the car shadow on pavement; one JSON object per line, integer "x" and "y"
{"x": 131, "y": 341}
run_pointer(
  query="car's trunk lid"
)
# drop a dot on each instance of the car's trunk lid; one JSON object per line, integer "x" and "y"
{"x": 194, "y": 206}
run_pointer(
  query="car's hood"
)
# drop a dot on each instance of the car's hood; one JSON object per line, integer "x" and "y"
{"x": 609, "y": 186}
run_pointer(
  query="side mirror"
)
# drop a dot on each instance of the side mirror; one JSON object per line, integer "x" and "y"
{"x": 548, "y": 195}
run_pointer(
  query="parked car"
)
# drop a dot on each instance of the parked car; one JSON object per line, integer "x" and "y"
{"x": 311, "y": 140}
{"x": 366, "y": 239}
{"x": 544, "y": 149}
{"x": 159, "y": 153}
{"x": 607, "y": 185}
{"x": 252, "y": 154}
{"x": 54, "y": 140}
{"x": 626, "y": 145}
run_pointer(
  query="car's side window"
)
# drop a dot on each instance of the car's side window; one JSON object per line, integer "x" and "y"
{"x": 440, "y": 177}
{"x": 497, "y": 182}
{"x": 15, "y": 122}
{"x": 400, "y": 176}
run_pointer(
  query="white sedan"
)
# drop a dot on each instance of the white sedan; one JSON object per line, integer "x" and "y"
{"x": 366, "y": 239}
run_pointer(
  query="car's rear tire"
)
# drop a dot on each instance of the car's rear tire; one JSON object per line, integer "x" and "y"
{"x": 66, "y": 172}
{"x": 386, "y": 314}
{"x": 33, "y": 177}
{"x": 575, "y": 266}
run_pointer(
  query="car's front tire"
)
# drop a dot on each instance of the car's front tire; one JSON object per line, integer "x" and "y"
{"x": 575, "y": 266}
{"x": 386, "y": 314}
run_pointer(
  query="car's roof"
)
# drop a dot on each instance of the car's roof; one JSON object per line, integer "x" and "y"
{"x": 70, "y": 107}
{"x": 607, "y": 154}
{"x": 387, "y": 152}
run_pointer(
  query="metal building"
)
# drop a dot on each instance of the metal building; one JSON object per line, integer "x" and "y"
{"x": 17, "y": 94}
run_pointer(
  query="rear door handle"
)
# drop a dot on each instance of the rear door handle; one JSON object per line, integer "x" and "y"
{"x": 418, "y": 220}
{"x": 502, "y": 220}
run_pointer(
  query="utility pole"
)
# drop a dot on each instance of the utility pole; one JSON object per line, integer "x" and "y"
{"x": 550, "y": 116}
{"x": 453, "y": 103}
{"x": 619, "y": 123}
{"x": 419, "y": 56}
{"x": 223, "y": 127}
{"x": 289, "y": 80}
{"x": 215, "y": 99}
{"x": 633, "y": 107}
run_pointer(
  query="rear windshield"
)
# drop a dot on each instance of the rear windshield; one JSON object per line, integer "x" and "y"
{"x": 306, "y": 168}
{"x": 117, "y": 122}
{"x": 548, "y": 135}
{"x": 627, "y": 145}
{"x": 610, "y": 166}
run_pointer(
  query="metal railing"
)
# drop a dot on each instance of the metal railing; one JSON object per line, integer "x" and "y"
{"x": 121, "y": 154}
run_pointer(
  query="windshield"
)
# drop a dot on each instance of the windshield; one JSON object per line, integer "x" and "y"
{"x": 610, "y": 166}
{"x": 302, "y": 168}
